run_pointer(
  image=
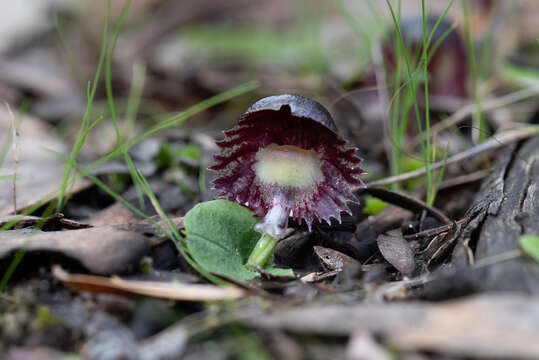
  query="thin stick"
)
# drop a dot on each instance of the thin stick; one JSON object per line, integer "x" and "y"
{"x": 494, "y": 143}
{"x": 486, "y": 105}
{"x": 404, "y": 201}
{"x": 437, "y": 230}
{"x": 463, "y": 179}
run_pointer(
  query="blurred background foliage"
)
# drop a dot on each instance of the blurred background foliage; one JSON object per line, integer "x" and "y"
{"x": 173, "y": 54}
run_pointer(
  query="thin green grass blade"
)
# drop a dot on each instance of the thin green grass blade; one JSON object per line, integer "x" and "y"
{"x": 438, "y": 21}
{"x": 411, "y": 87}
{"x": 11, "y": 268}
{"x": 396, "y": 134}
{"x": 176, "y": 120}
{"x": 108, "y": 66}
{"x": 134, "y": 98}
{"x": 83, "y": 131}
{"x": 439, "y": 42}
{"x": 69, "y": 54}
{"x": 92, "y": 125}
{"x": 85, "y": 173}
{"x": 411, "y": 83}
{"x": 23, "y": 108}
{"x": 177, "y": 238}
{"x": 112, "y": 106}
{"x": 28, "y": 211}
{"x": 19, "y": 255}
{"x": 172, "y": 233}
{"x": 430, "y": 201}
{"x": 427, "y": 153}
{"x": 473, "y": 72}
{"x": 5, "y": 146}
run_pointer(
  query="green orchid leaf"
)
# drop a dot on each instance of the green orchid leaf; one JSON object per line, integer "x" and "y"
{"x": 220, "y": 237}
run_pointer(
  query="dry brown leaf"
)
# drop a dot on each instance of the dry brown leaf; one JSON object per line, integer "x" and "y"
{"x": 115, "y": 214}
{"x": 167, "y": 290}
{"x": 397, "y": 252}
{"x": 39, "y": 172}
{"x": 103, "y": 250}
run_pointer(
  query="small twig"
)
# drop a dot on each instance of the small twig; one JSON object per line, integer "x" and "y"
{"x": 463, "y": 179}
{"x": 494, "y": 143}
{"x": 404, "y": 201}
{"x": 487, "y": 105}
{"x": 437, "y": 230}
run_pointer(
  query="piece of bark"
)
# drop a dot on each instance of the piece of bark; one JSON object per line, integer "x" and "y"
{"x": 506, "y": 207}
{"x": 496, "y": 326}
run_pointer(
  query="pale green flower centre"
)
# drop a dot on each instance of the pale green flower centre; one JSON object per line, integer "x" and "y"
{"x": 288, "y": 165}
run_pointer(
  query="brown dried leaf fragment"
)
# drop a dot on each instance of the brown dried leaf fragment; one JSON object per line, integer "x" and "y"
{"x": 167, "y": 290}
{"x": 397, "y": 252}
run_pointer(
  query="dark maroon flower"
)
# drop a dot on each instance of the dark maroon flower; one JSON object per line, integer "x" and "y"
{"x": 284, "y": 158}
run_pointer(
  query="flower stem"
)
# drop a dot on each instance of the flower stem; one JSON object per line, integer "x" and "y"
{"x": 262, "y": 251}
